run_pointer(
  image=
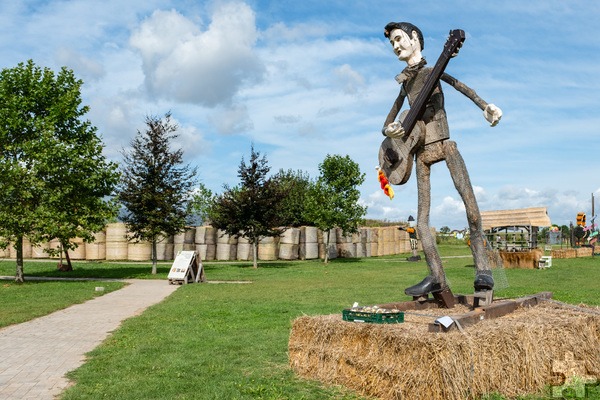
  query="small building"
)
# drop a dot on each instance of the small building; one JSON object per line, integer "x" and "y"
{"x": 514, "y": 230}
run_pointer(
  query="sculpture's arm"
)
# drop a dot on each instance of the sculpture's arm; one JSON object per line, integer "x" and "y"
{"x": 392, "y": 128}
{"x": 491, "y": 112}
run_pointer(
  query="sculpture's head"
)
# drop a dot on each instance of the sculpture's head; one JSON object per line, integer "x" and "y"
{"x": 406, "y": 39}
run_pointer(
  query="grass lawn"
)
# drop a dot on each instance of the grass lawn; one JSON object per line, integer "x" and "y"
{"x": 229, "y": 340}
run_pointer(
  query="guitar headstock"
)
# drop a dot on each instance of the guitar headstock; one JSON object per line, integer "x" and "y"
{"x": 454, "y": 42}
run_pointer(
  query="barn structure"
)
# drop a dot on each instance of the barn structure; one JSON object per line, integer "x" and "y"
{"x": 514, "y": 230}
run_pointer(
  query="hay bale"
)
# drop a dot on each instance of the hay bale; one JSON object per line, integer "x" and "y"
{"x": 583, "y": 252}
{"x": 564, "y": 253}
{"x": 521, "y": 259}
{"x": 512, "y": 355}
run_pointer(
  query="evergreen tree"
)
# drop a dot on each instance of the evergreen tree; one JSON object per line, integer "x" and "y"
{"x": 253, "y": 209}
{"x": 155, "y": 187}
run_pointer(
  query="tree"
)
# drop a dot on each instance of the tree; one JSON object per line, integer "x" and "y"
{"x": 295, "y": 186}
{"x": 155, "y": 187}
{"x": 53, "y": 176}
{"x": 333, "y": 200}
{"x": 253, "y": 209}
{"x": 201, "y": 199}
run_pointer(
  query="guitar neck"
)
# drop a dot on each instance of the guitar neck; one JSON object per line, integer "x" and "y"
{"x": 418, "y": 106}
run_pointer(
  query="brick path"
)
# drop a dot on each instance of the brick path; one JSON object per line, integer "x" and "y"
{"x": 35, "y": 355}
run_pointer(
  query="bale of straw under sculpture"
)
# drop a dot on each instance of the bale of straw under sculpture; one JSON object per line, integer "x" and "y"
{"x": 512, "y": 355}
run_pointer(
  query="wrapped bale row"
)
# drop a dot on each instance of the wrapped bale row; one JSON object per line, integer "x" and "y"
{"x": 304, "y": 243}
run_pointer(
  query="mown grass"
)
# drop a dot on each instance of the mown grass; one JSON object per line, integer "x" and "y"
{"x": 229, "y": 340}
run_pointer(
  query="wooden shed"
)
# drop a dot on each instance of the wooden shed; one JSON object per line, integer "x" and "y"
{"x": 514, "y": 229}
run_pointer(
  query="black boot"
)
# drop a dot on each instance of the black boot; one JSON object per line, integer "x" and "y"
{"x": 426, "y": 286}
{"x": 483, "y": 281}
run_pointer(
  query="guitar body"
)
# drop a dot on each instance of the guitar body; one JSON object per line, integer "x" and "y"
{"x": 396, "y": 155}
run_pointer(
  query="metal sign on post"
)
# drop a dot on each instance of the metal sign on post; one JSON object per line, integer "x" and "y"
{"x": 187, "y": 268}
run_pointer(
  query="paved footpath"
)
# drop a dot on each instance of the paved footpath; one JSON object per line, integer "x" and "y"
{"x": 35, "y": 355}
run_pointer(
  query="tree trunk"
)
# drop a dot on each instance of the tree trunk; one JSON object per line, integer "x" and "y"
{"x": 255, "y": 254}
{"x": 326, "y": 260}
{"x": 69, "y": 266}
{"x": 19, "y": 278}
{"x": 154, "y": 256}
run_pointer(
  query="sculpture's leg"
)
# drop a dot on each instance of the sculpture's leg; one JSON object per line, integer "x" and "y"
{"x": 460, "y": 177}
{"x": 436, "y": 281}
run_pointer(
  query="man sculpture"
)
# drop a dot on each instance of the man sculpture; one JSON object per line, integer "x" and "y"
{"x": 407, "y": 41}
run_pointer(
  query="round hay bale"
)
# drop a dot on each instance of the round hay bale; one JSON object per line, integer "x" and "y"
{"x": 165, "y": 251}
{"x": 513, "y": 355}
{"x": 331, "y": 251}
{"x": 207, "y": 252}
{"x": 290, "y": 236}
{"x": 288, "y": 251}
{"x": 38, "y": 251}
{"x": 268, "y": 240}
{"x": 189, "y": 235}
{"x": 226, "y": 251}
{"x": 139, "y": 251}
{"x": 210, "y": 235}
{"x": 116, "y": 232}
{"x": 116, "y": 250}
{"x": 267, "y": 251}
{"x": 242, "y": 239}
{"x": 361, "y": 250}
{"x": 79, "y": 252}
{"x": 346, "y": 250}
{"x": 200, "y": 235}
{"x": 179, "y": 238}
{"x": 223, "y": 237}
{"x": 374, "y": 246}
{"x": 244, "y": 251}
{"x": 308, "y": 251}
{"x": 96, "y": 250}
{"x": 309, "y": 234}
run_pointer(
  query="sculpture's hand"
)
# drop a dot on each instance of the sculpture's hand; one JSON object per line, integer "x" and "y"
{"x": 394, "y": 130}
{"x": 492, "y": 114}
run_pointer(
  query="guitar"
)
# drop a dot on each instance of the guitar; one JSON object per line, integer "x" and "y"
{"x": 396, "y": 155}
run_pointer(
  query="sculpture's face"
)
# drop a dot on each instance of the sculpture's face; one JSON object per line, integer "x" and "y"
{"x": 405, "y": 47}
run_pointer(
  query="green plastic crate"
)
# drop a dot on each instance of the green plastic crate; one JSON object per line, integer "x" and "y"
{"x": 371, "y": 317}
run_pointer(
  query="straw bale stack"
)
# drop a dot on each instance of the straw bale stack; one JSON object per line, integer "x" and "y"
{"x": 512, "y": 355}
{"x": 79, "y": 252}
{"x": 584, "y": 252}
{"x": 521, "y": 259}
{"x": 185, "y": 241}
{"x": 309, "y": 245}
{"x": 564, "y": 253}
{"x": 289, "y": 244}
{"x": 116, "y": 241}
{"x": 165, "y": 248}
{"x": 268, "y": 248}
{"x": 206, "y": 242}
{"x": 332, "y": 249}
{"x": 96, "y": 250}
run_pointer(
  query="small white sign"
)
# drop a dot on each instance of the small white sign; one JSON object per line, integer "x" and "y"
{"x": 181, "y": 265}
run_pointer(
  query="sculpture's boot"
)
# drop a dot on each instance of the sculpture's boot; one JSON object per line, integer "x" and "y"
{"x": 483, "y": 281}
{"x": 426, "y": 286}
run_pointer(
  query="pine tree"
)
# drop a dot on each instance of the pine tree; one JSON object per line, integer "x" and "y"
{"x": 253, "y": 209}
{"x": 155, "y": 185}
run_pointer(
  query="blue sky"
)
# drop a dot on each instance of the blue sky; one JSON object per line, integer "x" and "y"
{"x": 304, "y": 79}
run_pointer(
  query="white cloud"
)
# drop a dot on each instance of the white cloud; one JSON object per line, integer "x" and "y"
{"x": 183, "y": 63}
{"x": 349, "y": 80}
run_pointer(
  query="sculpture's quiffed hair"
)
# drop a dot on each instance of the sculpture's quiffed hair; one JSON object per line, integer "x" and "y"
{"x": 406, "y": 27}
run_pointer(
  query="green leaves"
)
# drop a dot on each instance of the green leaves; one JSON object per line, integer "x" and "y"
{"x": 54, "y": 177}
{"x": 155, "y": 187}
